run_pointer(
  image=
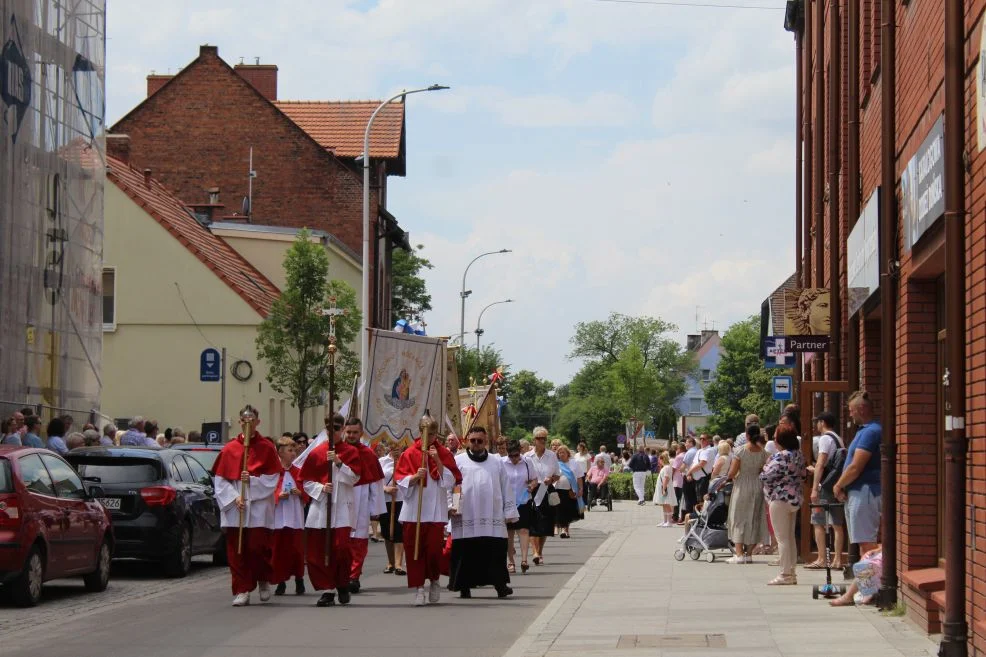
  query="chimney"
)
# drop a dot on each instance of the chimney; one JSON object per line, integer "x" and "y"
{"x": 262, "y": 77}
{"x": 208, "y": 50}
{"x": 118, "y": 146}
{"x": 213, "y": 193}
{"x": 147, "y": 178}
{"x": 693, "y": 342}
{"x": 155, "y": 82}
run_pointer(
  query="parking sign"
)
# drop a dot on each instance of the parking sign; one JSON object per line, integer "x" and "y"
{"x": 783, "y": 387}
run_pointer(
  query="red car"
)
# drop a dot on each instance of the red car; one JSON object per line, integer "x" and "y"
{"x": 50, "y": 525}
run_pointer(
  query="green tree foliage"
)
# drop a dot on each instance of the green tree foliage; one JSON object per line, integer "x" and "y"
{"x": 478, "y": 365}
{"x": 742, "y": 384}
{"x": 409, "y": 297}
{"x": 594, "y": 419}
{"x": 530, "y": 402}
{"x": 292, "y": 341}
{"x": 632, "y": 368}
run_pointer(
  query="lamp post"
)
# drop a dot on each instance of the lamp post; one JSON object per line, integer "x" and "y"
{"x": 365, "y": 334}
{"x": 479, "y": 330}
{"x": 465, "y": 293}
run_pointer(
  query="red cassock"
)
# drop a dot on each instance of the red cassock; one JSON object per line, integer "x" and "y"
{"x": 335, "y": 575}
{"x": 410, "y": 463}
{"x": 253, "y": 563}
{"x": 288, "y": 543}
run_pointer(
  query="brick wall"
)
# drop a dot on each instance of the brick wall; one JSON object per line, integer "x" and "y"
{"x": 197, "y": 133}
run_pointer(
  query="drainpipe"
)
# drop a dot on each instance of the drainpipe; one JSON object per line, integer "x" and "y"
{"x": 955, "y": 630}
{"x": 799, "y": 141}
{"x": 809, "y": 151}
{"x": 835, "y": 167}
{"x": 888, "y": 303}
{"x": 819, "y": 175}
{"x": 853, "y": 191}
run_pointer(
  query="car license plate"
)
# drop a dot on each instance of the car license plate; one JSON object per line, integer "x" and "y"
{"x": 110, "y": 502}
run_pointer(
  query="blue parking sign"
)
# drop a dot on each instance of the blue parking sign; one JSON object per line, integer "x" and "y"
{"x": 210, "y": 365}
{"x": 783, "y": 387}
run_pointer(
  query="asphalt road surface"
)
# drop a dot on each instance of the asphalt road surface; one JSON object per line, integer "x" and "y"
{"x": 142, "y": 614}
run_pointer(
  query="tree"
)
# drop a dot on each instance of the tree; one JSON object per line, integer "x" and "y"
{"x": 293, "y": 339}
{"x": 741, "y": 384}
{"x": 596, "y": 419}
{"x": 530, "y": 402}
{"x": 642, "y": 370}
{"x": 409, "y": 296}
{"x": 477, "y": 366}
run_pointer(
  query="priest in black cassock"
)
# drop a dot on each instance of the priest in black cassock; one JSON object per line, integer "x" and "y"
{"x": 479, "y": 523}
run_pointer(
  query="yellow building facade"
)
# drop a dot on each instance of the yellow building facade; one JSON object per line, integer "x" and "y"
{"x": 174, "y": 287}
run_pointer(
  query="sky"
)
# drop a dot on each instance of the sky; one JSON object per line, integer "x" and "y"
{"x": 636, "y": 158}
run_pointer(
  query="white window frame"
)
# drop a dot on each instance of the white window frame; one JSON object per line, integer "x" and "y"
{"x": 691, "y": 408}
{"x": 706, "y": 374}
{"x": 109, "y": 328}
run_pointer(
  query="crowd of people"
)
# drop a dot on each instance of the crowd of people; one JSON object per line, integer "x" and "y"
{"x": 766, "y": 470}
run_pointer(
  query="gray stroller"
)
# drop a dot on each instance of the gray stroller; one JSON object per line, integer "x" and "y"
{"x": 707, "y": 534}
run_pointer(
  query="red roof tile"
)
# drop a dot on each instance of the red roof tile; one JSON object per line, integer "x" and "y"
{"x": 339, "y": 126}
{"x": 252, "y": 286}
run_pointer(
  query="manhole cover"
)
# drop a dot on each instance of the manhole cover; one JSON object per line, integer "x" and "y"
{"x": 672, "y": 641}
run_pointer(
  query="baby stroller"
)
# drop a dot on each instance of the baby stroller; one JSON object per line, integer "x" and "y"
{"x": 707, "y": 533}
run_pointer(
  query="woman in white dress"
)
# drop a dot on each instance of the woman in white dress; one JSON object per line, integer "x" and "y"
{"x": 523, "y": 482}
{"x": 664, "y": 489}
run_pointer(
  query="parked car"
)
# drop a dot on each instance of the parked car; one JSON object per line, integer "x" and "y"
{"x": 161, "y": 501}
{"x": 50, "y": 526}
{"x": 205, "y": 454}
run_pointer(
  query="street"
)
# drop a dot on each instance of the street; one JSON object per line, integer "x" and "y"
{"x": 143, "y": 613}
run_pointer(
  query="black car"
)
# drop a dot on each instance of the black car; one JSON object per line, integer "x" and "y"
{"x": 205, "y": 453}
{"x": 161, "y": 502}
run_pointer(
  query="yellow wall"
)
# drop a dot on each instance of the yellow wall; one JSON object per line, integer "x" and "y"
{"x": 151, "y": 361}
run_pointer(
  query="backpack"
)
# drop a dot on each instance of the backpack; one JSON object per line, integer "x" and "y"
{"x": 834, "y": 465}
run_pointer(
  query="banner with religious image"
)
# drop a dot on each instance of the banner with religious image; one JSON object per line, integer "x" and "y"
{"x": 488, "y": 414}
{"x": 453, "y": 404}
{"x": 406, "y": 376}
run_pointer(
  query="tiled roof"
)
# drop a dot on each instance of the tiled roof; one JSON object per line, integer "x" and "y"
{"x": 339, "y": 126}
{"x": 252, "y": 286}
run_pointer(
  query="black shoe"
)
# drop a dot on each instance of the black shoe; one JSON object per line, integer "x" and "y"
{"x": 353, "y": 587}
{"x": 503, "y": 591}
{"x": 465, "y": 593}
{"x": 299, "y": 586}
{"x": 344, "y": 597}
{"x": 328, "y": 599}
{"x": 280, "y": 589}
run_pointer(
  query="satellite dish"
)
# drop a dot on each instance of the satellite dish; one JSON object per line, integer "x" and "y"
{"x": 245, "y": 208}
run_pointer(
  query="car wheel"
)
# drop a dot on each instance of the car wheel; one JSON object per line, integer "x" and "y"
{"x": 180, "y": 562}
{"x": 99, "y": 579}
{"x": 26, "y": 589}
{"x": 219, "y": 556}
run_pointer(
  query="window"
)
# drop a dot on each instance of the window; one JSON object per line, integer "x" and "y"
{"x": 6, "y": 480}
{"x": 695, "y": 406}
{"x": 36, "y": 479}
{"x": 109, "y": 299}
{"x": 179, "y": 471}
{"x": 199, "y": 475}
{"x": 117, "y": 471}
{"x": 67, "y": 483}
{"x": 706, "y": 375}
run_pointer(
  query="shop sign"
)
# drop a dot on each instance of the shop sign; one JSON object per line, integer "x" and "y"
{"x": 863, "y": 250}
{"x": 922, "y": 186}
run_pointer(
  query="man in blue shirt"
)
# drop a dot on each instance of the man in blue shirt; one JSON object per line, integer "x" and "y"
{"x": 33, "y": 436}
{"x": 859, "y": 485}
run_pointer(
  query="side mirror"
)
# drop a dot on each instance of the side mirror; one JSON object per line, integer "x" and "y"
{"x": 210, "y": 491}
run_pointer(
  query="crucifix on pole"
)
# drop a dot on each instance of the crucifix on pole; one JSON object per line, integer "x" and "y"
{"x": 332, "y": 312}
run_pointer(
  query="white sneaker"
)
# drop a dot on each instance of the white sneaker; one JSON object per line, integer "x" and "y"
{"x": 419, "y": 597}
{"x": 241, "y": 599}
{"x": 747, "y": 559}
{"x": 736, "y": 559}
{"x": 264, "y": 591}
{"x": 434, "y": 593}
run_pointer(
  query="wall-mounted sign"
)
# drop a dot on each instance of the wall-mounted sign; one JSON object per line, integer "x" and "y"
{"x": 863, "y": 249}
{"x": 922, "y": 186}
{"x": 807, "y": 311}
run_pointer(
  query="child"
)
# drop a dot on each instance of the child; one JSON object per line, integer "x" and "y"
{"x": 289, "y": 521}
{"x": 664, "y": 489}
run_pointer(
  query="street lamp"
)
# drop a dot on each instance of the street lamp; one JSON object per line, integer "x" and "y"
{"x": 479, "y": 331}
{"x": 365, "y": 334}
{"x": 465, "y": 293}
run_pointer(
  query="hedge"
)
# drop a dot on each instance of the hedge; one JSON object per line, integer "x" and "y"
{"x": 621, "y": 483}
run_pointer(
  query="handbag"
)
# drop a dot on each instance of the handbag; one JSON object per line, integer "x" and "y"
{"x": 554, "y": 499}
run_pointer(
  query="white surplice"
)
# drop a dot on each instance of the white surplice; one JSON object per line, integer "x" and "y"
{"x": 434, "y": 501}
{"x": 343, "y": 502}
{"x": 290, "y": 512}
{"x": 487, "y": 502}
{"x": 369, "y": 501}
{"x": 388, "y": 464}
{"x": 259, "y": 501}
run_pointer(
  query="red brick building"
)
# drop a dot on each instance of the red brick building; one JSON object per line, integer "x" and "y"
{"x": 829, "y": 112}
{"x": 196, "y": 131}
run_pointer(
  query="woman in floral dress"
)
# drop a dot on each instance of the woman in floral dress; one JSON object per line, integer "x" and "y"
{"x": 783, "y": 482}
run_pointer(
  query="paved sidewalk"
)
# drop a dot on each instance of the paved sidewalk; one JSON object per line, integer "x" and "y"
{"x": 632, "y": 599}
